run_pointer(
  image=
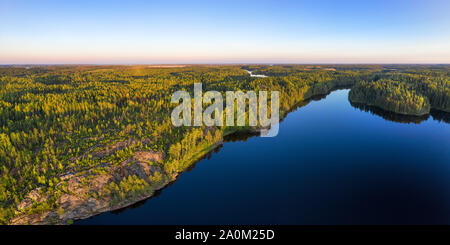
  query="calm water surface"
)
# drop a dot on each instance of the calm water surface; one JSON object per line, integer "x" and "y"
{"x": 331, "y": 163}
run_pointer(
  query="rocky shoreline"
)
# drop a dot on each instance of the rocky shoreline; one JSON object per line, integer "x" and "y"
{"x": 75, "y": 207}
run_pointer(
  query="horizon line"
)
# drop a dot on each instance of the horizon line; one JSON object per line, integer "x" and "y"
{"x": 218, "y": 63}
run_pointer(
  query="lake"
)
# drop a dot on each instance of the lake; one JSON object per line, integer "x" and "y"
{"x": 254, "y": 75}
{"x": 331, "y": 163}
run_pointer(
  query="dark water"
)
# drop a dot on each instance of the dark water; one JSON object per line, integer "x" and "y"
{"x": 332, "y": 163}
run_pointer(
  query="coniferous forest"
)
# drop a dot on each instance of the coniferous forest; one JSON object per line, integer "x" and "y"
{"x": 80, "y": 140}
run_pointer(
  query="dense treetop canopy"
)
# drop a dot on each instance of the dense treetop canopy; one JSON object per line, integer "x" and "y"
{"x": 58, "y": 120}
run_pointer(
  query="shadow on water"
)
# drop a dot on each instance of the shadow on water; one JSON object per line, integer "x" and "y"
{"x": 243, "y": 136}
{"x": 240, "y": 136}
{"x": 440, "y": 116}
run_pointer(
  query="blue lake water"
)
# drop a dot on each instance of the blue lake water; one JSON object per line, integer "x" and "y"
{"x": 331, "y": 163}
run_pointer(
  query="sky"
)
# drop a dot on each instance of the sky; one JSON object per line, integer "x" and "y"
{"x": 214, "y": 31}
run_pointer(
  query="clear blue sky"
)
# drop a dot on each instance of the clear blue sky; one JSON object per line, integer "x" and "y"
{"x": 320, "y": 31}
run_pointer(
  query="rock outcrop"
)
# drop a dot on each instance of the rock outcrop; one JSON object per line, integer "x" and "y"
{"x": 87, "y": 194}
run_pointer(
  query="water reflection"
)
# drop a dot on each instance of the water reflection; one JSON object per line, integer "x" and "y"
{"x": 440, "y": 116}
{"x": 395, "y": 117}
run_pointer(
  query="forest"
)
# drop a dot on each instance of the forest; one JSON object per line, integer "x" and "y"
{"x": 79, "y": 140}
{"x": 404, "y": 96}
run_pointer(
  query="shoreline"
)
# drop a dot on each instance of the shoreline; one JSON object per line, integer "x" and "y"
{"x": 52, "y": 216}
